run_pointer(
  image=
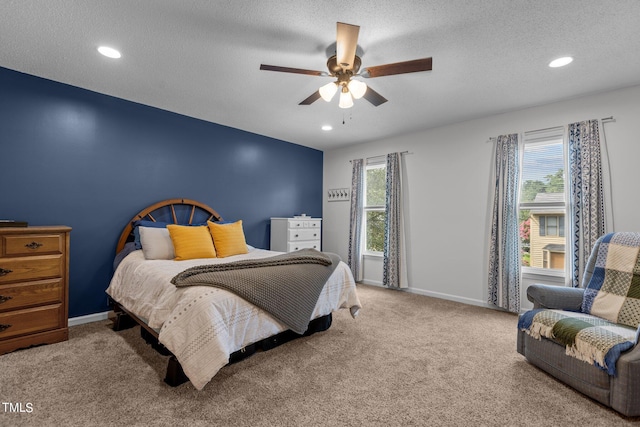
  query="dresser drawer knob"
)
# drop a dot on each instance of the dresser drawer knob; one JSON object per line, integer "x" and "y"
{"x": 4, "y": 298}
{"x": 296, "y": 235}
{"x": 4, "y": 271}
{"x": 4, "y": 327}
{"x": 34, "y": 245}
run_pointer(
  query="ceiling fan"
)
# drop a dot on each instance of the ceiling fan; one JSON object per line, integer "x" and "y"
{"x": 345, "y": 64}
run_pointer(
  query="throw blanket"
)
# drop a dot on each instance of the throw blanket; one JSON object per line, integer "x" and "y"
{"x": 613, "y": 293}
{"x": 286, "y": 286}
{"x": 588, "y": 338}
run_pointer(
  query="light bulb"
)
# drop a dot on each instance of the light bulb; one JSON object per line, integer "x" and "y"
{"x": 327, "y": 91}
{"x": 357, "y": 88}
{"x": 345, "y": 99}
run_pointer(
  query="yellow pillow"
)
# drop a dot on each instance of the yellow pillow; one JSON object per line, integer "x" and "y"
{"x": 228, "y": 238}
{"x": 191, "y": 242}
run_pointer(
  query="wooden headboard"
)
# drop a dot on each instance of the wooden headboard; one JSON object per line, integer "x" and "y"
{"x": 176, "y": 211}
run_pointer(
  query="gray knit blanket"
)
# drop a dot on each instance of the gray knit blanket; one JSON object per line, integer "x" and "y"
{"x": 286, "y": 286}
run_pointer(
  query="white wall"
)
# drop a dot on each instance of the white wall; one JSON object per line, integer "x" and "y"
{"x": 448, "y": 170}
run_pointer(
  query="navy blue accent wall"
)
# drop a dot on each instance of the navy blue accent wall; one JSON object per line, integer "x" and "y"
{"x": 73, "y": 157}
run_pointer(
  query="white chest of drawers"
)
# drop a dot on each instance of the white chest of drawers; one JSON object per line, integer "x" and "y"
{"x": 292, "y": 234}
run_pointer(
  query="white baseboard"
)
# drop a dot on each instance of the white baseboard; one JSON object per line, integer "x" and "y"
{"x": 371, "y": 282}
{"x": 96, "y": 317}
{"x": 463, "y": 300}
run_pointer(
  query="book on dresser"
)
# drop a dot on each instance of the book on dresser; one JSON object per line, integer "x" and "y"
{"x": 34, "y": 286}
{"x": 12, "y": 223}
{"x": 292, "y": 234}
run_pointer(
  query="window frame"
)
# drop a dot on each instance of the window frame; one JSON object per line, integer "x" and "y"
{"x": 545, "y": 137}
{"x": 372, "y": 163}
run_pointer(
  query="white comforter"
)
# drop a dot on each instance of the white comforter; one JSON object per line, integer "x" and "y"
{"x": 203, "y": 325}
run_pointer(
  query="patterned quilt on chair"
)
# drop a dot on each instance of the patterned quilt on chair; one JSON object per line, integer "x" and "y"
{"x": 586, "y": 337}
{"x": 613, "y": 293}
{"x": 608, "y": 324}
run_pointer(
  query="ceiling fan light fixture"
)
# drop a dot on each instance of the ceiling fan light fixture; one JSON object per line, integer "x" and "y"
{"x": 357, "y": 88}
{"x": 327, "y": 91}
{"x": 345, "y": 65}
{"x": 346, "y": 101}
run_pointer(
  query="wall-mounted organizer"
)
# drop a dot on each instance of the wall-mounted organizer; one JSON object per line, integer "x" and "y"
{"x": 338, "y": 195}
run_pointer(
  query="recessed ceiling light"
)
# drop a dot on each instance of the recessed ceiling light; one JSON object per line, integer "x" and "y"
{"x": 560, "y": 62}
{"x": 327, "y": 127}
{"x": 109, "y": 52}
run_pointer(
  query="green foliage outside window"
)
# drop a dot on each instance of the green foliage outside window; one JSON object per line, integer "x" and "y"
{"x": 376, "y": 186}
{"x": 375, "y": 219}
{"x": 553, "y": 184}
{"x": 375, "y": 231}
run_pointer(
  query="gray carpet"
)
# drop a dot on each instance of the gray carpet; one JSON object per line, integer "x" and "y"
{"x": 406, "y": 360}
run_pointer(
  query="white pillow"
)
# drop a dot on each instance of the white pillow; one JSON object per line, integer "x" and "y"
{"x": 156, "y": 243}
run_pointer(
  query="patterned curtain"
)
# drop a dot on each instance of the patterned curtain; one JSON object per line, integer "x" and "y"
{"x": 394, "y": 261}
{"x": 355, "y": 222}
{"x": 586, "y": 195}
{"x": 504, "y": 252}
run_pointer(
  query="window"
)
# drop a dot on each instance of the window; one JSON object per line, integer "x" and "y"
{"x": 543, "y": 204}
{"x": 374, "y": 201}
{"x": 552, "y": 225}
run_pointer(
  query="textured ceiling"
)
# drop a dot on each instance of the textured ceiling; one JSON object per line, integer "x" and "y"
{"x": 202, "y": 58}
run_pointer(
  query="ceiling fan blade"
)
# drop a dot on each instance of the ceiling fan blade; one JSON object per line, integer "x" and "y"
{"x": 346, "y": 44}
{"x": 405, "y": 67}
{"x": 292, "y": 70}
{"x": 374, "y": 97}
{"x": 311, "y": 99}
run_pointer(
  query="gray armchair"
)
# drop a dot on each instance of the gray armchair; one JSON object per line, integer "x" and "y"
{"x": 620, "y": 392}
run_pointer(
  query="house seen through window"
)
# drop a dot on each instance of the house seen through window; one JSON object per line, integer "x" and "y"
{"x": 543, "y": 204}
{"x": 374, "y": 201}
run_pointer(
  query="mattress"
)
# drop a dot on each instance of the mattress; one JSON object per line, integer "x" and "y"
{"x": 203, "y": 325}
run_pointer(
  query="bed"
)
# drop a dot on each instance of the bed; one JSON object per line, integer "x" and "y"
{"x": 203, "y": 328}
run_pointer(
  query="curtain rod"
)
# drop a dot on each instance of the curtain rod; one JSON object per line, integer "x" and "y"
{"x": 603, "y": 120}
{"x": 381, "y": 155}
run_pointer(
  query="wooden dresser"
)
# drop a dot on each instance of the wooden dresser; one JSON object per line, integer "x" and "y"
{"x": 34, "y": 286}
{"x": 292, "y": 234}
